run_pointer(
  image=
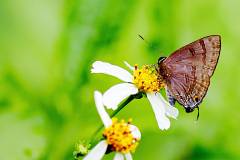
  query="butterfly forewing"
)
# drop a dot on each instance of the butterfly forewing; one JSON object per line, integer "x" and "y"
{"x": 187, "y": 71}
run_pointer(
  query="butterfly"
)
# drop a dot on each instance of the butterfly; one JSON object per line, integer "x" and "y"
{"x": 187, "y": 71}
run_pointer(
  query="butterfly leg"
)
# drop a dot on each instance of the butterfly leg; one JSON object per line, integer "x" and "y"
{"x": 171, "y": 99}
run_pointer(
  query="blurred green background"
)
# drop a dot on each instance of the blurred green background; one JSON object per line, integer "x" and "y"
{"x": 46, "y": 89}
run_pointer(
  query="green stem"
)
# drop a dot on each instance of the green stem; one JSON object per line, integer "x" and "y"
{"x": 130, "y": 98}
{"x": 120, "y": 107}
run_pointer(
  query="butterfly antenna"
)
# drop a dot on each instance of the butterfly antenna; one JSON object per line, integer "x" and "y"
{"x": 141, "y": 37}
{"x": 198, "y": 113}
{"x": 144, "y": 40}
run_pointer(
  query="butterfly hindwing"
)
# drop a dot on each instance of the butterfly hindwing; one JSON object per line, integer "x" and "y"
{"x": 188, "y": 70}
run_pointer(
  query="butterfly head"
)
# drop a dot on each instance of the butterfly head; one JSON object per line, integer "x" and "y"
{"x": 160, "y": 59}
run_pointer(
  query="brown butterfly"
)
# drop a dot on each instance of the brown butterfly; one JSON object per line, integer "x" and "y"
{"x": 187, "y": 71}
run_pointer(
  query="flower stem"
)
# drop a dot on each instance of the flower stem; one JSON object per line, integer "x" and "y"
{"x": 120, "y": 107}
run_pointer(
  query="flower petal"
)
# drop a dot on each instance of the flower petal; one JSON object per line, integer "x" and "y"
{"x": 113, "y": 96}
{"x": 128, "y": 156}
{"x": 170, "y": 110}
{"x": 135, "y": 132}
{"x": 118, "y": 156}
{"x": 159, "y": 111}
{"x": 107, "y": 68}
{"x": 101, "y": 110}
{"x": 129, "y": 66}
{"x": 97, "y": 152}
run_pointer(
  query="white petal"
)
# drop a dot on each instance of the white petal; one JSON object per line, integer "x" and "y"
{"x": 170, "y": 110}
{"x": 128, "y": 156}
{"x": 118, "y": 156}
{"x": 101, "y": 110}
{"x": 113, "y": 96}
{"x": 135, "y": 132}
{"x": 159, "y": 111}
{"x": 107, "y": 68}
{"x": 129, "y": 66}
{"x": 97, "y": 152}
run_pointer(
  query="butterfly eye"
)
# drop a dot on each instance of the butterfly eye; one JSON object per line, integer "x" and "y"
{"x": 161, "y": 59}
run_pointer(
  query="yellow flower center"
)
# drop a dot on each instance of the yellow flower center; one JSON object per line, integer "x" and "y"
{"x": 147, "y": 79}
{"x": 119, "y": 137}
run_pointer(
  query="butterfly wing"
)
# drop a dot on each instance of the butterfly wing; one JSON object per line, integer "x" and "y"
{"x": 188, "y": 70}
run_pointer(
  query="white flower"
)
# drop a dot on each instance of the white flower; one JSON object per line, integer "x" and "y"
{"x": 142, "y": 80}
{"x": 120, "y": 136}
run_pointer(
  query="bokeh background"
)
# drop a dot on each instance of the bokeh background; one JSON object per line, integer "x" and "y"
{"x": 46, "y": 89}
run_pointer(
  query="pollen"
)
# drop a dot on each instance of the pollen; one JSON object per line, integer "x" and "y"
{"x": 147, "y": 79}
{"x": 119, "y": 137}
